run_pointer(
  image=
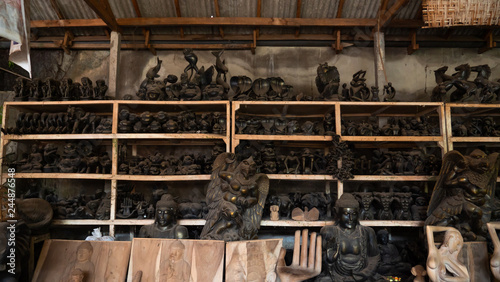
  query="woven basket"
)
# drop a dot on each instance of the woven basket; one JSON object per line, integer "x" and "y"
{"x": 446, "y": 13}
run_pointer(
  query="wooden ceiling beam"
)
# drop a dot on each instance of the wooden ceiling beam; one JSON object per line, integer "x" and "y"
{"x": 340, "y": 8}
{"x": 68, "y": 35}
{"x": 249, "y": 37}
{"x": 298, "y": 14}
{"x": 178, "y": 13}
{"x": 217, "y": 14}
{"x": 173, "y": 46}
{"x": 145, "y": 31}
{"x": 136, "y": 8}
{"x": 193, "y": 21}
{"x": 103, "y": 10}
{"x": 385, "y": 18}
{"x": 259, "y": 7}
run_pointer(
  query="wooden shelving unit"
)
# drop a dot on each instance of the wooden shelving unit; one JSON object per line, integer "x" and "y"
{"x": 315, "y": 111}
{"x": 232, "y": 110}
{"x": 456, "y": 110}
{"x": 113, "y": 139}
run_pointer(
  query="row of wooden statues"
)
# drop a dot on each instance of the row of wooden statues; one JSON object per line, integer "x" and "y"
{"x": 477, "y": 126}
{"x": 401, "y": 126}
{"x": 74, "y": 121}
{"x": 171, "y": 122}
{"x": 459, "y": 88}
{"x": 81, "y": 157}
{"x": 59, "y": 90}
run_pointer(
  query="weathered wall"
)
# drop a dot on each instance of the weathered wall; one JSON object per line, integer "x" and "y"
{"x": 412, "y": 76}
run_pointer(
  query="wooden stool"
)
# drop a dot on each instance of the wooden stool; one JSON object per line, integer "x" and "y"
{"x": 35, "y": 239}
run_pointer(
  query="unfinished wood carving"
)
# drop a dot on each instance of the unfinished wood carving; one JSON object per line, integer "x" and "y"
{"x": 62, "y": 260}
{"x": 252, "y": 260}
{"x": 176, "y": 260}
{"x": 442, "y": 263}
{"x": 495, "y": 258}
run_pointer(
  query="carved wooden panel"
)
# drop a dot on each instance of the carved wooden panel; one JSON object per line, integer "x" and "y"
{"x": 176, "y": 260}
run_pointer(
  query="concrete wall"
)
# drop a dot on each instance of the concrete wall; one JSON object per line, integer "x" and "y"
{"x": 412, "y": 76}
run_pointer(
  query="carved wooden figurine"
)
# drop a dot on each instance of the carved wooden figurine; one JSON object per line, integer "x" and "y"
{"x": 351, "y": 250}
{"x": 464, "y": 191}
{"x": 165, "y": 225}
{"x": 442, "y": 263}
{"x": 235, "y": 198}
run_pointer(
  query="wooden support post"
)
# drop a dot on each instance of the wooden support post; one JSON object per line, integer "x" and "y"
{"x": 67, "y": 41}
{"x": 413, "y": 42}
{"x": 338, "y": 43}
{"x": 114, "y": 62}
{"x": 490, "y": 43}
{"x": 379, "y": 51}
{"x": 254, "y": 44}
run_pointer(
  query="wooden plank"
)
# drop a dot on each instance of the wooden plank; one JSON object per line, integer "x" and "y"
{"x": 393, "y": 178}
{"x": 58, "y": 136}
{"x": 80, "y": 222}
{"x": 313, "y": 138}
{"x": 114, "y": 63}
{"x": 392, "y": 138}
{"x": 340, "y": 8}
{"x": 476, "y": 139}
{"x": 217, "y": 14}
{"x": 168, "y": 136}
{"x": 206, "y": 21}
{"x": 103, "y": 10}
{"x": 301, "y": 177}
{"x": 136, "y": 8}
{"x": 298, "y": 15}
{"x": 198, "y": 177}
{"x": 178, "y": 13}
{"x": 61, "y": 175}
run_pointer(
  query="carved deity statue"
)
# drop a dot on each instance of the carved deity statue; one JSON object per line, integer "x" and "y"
{"x": 165, "y": 225}
{"x": 327, "y": 81}
{"x": 463, "y": 195}
{"x": 350, "y": 250}
{"x": 235, "y": 198}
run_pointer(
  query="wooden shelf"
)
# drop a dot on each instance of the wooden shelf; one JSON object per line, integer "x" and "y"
{"x": 197, "y": 177}
{"x": 80, "y": 222}
{"x": 476, "y": 139}
{"x": 392, "y": 138}
{"x": 264, "y": 222}
{"x": 169, "y": 136}
{"x": 301, "y": 177}
{"x": 393, "y": 178}
{"x": 60, "y": 175}
{"x": 61, "y": 137}
{"x": 312, "y": 138}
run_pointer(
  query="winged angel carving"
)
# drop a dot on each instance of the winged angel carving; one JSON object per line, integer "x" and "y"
{"x": 236, "y": 196}
{"x": 463, "y": 196}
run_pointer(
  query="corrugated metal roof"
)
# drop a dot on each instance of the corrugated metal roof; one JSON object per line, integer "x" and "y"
{"x": 238, "y": 8}
{"x": 42, "y": 10}
{"x": 123, "y": 8}
{"x": 156, "y": 8}
{"x": 78, "y": 9}
{"x": 75, "y": 9}
{"x": 410, "y": 10}
{"x": 319, "y": 8}
{"x": 361, "y": 9}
